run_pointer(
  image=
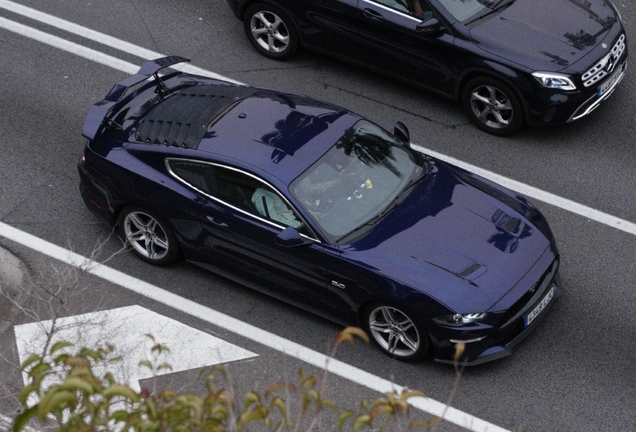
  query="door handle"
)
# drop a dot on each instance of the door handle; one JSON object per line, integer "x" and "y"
{"x": 371, "y": 14}
{"x": 216, "y": 222}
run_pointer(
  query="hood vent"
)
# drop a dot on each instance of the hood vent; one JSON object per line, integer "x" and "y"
{"x": 472, "y": 271}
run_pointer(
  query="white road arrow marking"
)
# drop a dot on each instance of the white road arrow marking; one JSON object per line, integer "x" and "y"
{"x": 126, "y": 329}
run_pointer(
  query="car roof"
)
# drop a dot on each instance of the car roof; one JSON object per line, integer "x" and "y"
{"x": 278, "y": 133}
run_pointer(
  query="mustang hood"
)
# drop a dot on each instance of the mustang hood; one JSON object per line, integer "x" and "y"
{"x": 558, "y": 39}
{"x": 456, "y": 236}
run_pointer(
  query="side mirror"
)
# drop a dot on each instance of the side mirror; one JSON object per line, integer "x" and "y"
{"x": 289, "y": 237}
{"x": 401, "y": 132}
{"x": 430, "y": 26}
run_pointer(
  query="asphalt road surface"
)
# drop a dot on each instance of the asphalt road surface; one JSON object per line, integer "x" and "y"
{"x": 575, "y": 373}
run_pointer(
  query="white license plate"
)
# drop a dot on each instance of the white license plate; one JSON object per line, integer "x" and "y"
{"x": 538, "y": 308}
{"x": 609, "y": 83}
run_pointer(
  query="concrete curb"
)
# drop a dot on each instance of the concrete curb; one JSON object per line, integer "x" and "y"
{"x": 12, "y": 279}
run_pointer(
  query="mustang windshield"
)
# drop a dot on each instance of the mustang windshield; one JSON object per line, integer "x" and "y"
{"x": 358, "y": 181}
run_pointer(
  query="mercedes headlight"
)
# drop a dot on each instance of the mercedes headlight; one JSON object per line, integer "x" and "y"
{"x": 554, "y": 80}
{"x": 459, "y": 320}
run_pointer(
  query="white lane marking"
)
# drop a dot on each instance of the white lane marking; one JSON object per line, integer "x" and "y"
{"x": 538, "y": 194}
{"x": 113, "y": 62}
{"x": 243, "y": 329}
{"x": 68, "y": 46}
{"x": 91, "y": 35}
{"x": 126, "y": 328}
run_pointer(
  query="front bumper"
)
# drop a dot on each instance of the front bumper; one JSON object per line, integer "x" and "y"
{"x": 491, "y": 343}
{"x": 549, "y": 107}
{"x": 595, "y": 85}
{"x": 594, "y": 101}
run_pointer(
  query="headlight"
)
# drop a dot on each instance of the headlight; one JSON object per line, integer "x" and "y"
{"x": 459, "y": 320}
{"x": 554, "y": 81}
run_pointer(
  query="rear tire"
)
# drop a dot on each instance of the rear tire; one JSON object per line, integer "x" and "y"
{"x": 271, "y": 31}
{"x": 148, "y": 236}
{"x": 493, "y": 106}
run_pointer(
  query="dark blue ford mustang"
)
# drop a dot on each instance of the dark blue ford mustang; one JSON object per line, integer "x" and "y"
{"x": 321, "y": 208}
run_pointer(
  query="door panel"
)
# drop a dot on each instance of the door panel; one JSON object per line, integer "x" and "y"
{"x": 241, "y": 217}
{"x": 244, "y": 249}
{"x": 332, "y": 25}
{"x": 391, "y": 43}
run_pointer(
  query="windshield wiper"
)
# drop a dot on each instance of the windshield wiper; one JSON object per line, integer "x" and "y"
{"x": 496, "y": 8}
{"x": 368, "y": 223}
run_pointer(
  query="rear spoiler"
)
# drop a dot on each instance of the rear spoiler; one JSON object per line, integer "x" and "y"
{"x": 100, "y": 110}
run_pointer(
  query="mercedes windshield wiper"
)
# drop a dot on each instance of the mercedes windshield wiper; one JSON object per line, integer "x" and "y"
{"x": 502, "y": 4}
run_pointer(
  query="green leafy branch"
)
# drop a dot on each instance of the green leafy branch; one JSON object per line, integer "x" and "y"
{"x": 67, "y": 390}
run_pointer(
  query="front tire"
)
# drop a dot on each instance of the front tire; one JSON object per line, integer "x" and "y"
{"x": 271, "y": 31}
{"x": 493, "y": 106}
{"x": 148, "y": 236}
{"x": 396, "y": 333}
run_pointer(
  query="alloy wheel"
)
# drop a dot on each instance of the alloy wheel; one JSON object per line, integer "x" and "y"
{"x": 146, "y": 235}
{"x": 491, "y": 106}
{"x": 394, "y": 331}
{"x": 270, "y": 32}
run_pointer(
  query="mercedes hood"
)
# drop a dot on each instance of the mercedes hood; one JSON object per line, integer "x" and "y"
{"x": 547, "y": 35}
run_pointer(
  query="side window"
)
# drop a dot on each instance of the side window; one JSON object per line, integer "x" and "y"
{"x": 191, "y": 173}
{"x": 234, "y": 188}
{"x": 238, "y": 190}
{"x": 271, "y": 206}
{"x": 416, "y": 8}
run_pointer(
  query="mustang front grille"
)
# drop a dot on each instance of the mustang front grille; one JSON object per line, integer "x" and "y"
{"x": 542, "y": 284}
